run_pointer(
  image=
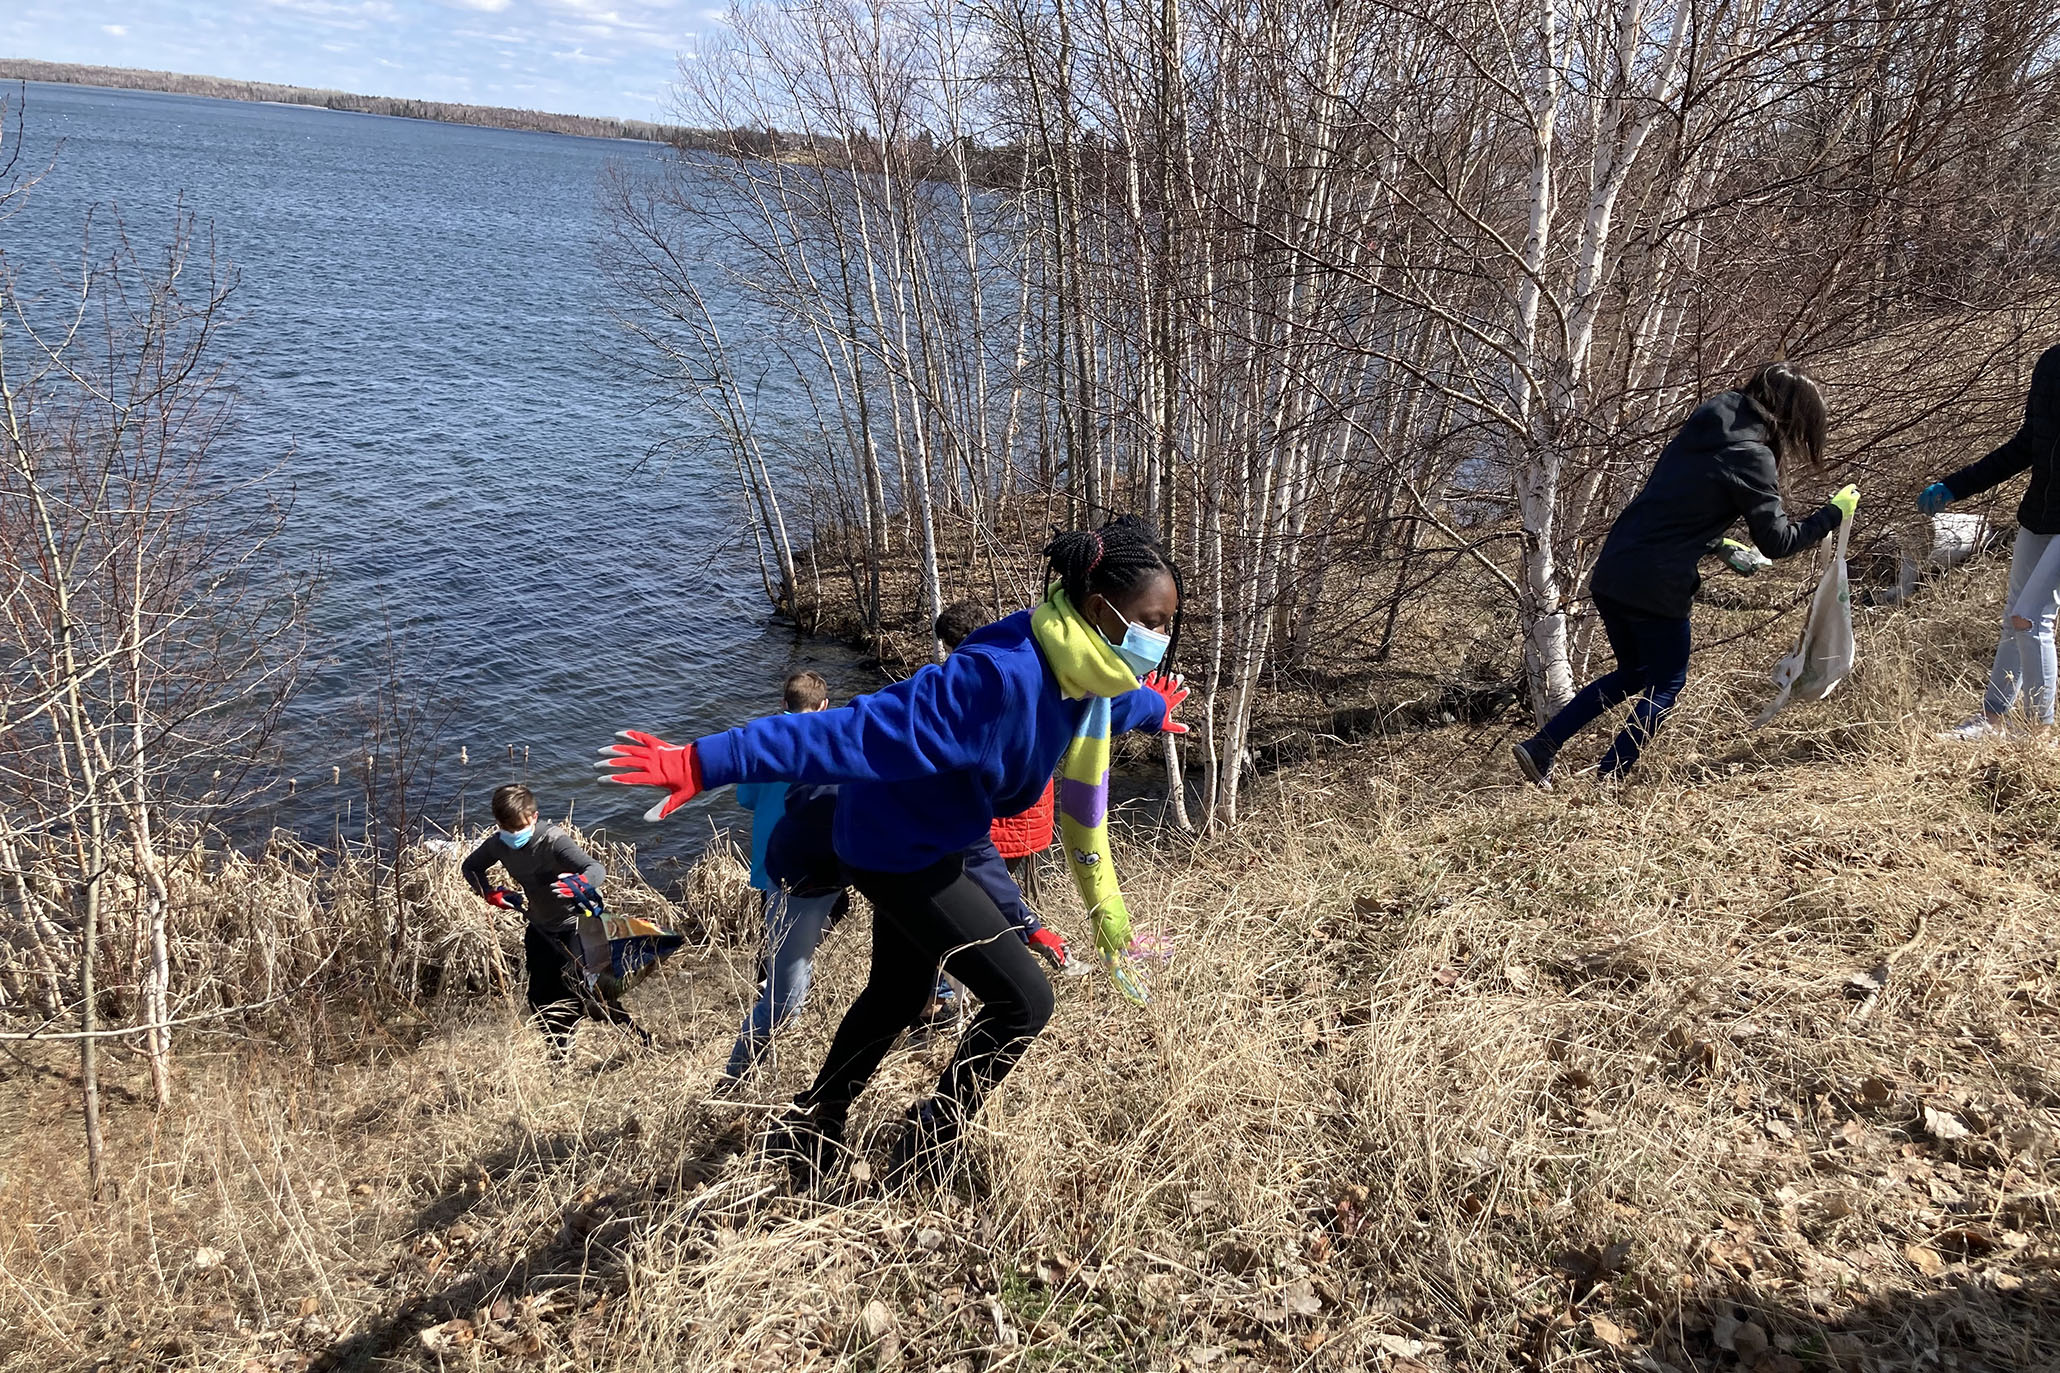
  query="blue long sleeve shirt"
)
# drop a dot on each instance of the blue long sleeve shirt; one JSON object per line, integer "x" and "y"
{"x": 766, "y": 801}
{"x": 925, "y": 765}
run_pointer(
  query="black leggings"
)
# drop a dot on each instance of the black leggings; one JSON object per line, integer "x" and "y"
{"x": 919, "y": 920}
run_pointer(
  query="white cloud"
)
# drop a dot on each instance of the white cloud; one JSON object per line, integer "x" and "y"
{"x": 115, "y": 30}
{"x": 483, "y": 6}
{"x": 580, "y": 55}
{"x": 339, "y": 13}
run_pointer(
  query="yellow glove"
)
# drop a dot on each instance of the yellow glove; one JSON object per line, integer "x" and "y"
{"x": 1847, "y": 501}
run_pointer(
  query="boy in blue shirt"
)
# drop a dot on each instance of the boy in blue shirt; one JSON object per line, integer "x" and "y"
{"x": 794, "y": 925}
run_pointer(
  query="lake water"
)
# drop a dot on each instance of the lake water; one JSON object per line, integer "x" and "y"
{"x": 424, "y": 335}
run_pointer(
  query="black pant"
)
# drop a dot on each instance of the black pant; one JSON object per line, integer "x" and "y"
{"x": 553, "y": 1001}
{"x": 1652, "y": 664}
{"x": 919, "y": 920}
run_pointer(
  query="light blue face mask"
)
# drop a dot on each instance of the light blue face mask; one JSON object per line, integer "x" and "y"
{"x": 515, "y": 839}
{"x": 1143, "y": 649}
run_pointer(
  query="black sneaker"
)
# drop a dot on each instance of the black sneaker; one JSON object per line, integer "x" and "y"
{"x": 806, "y": 1141}
{"x": 925, "y": 1151}
{"x": 1528, "y": 755}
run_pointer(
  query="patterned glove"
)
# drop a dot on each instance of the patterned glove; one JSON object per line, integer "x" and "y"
{"x": 577, "y": 890}
{"x": 504, "y": 898}
{"x": 1741, "y": 558}
{"x": 648, "y": 761}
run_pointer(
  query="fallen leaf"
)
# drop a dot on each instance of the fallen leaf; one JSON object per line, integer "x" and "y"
{"x": 930, "y": 1239}
{"x": 1926, "y": 1261}
{"x": 1869, "y": 982}
{"x": 207, "y": 1256}
{"x": 1966, "y": 1241}
{"x": 1944, "y": 1125}
{"x": 1400, "y": 1346}
{"x": 452, "y": 1334}
{"x": 1875, "y": 1091}
{"x": 1301, "y": 1300}
{"x": 1053, "y": 1269}
{"x": 1749, "y": 1341}
{"x": 1445, "y": 976}
{"x": 877, "y": 1319}
{"x": 1609, "y": 1332}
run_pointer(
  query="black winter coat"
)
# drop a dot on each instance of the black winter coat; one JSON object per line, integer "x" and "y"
{"x": 1720, "y": 466}
{"x": 2035, "y": 445}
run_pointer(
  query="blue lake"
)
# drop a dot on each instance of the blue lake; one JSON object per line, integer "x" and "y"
{"x": 424, "y": 338}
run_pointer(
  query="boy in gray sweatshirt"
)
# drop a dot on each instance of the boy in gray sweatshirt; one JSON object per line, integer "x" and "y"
{"x": 554, "y": 875}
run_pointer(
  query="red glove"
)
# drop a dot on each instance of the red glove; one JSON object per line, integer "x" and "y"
{"x": 501, "y": 898}
{"x": 1172, "y": 690}
{"x": 648, "y": 761}
{"x": 1046, "y": 941}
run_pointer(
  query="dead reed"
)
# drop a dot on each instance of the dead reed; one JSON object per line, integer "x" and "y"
{"x": 1750, "y": 1065}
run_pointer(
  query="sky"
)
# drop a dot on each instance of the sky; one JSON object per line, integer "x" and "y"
{"x": 600, "y": 57}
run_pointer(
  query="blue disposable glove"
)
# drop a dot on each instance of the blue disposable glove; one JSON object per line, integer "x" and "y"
{"x": 1934, "y": 498}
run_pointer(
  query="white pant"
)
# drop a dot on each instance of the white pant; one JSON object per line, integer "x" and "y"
{"x": 2024, "y": 657}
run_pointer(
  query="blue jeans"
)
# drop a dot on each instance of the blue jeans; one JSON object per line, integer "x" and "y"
{"x": 794, "y": 927}
{"x": 1652, "y": 665}
{"x": 2024, "y": 657}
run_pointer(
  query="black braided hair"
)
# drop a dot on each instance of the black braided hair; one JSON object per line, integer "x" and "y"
{"x": 1121, "y": 556}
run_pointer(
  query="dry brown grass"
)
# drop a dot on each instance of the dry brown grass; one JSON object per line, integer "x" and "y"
{"x": 1443, "y": 1073}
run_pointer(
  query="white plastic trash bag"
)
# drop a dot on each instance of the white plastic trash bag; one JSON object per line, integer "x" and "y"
{"x": 1823, "y": 655}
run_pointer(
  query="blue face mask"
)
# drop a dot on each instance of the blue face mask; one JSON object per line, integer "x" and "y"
{"x": 1142, "y": 649}
{"x": 515, "y": 839}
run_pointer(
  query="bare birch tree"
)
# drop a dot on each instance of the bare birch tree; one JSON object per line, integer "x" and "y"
{"x": 150, "y": 643}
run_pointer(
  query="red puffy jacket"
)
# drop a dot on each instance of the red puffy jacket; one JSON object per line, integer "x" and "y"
{"x": 1018, "y": 836}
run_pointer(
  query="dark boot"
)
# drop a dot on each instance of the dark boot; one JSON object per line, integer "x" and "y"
{"x": 1534, "y": 760}
{"x": 807, "y": 1141}
{"x": 926, "y": 1149}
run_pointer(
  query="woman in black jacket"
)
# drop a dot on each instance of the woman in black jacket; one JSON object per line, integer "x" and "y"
{"x": 2024, "y": 656}
{"x": 1724, "y": 463}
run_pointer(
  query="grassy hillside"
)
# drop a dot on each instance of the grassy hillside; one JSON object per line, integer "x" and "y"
{"x": 1755, "y": 1064}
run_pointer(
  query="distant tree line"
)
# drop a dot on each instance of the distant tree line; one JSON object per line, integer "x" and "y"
{"x": 220, "y": 88}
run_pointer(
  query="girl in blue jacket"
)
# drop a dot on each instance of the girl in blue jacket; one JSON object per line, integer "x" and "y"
{"x": 924, "y": 766}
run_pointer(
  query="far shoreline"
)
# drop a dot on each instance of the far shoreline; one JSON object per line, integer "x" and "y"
{"x": 604, "y": 128}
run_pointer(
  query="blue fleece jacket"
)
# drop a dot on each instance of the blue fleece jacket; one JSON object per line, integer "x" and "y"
{"x": 926, "y": 764}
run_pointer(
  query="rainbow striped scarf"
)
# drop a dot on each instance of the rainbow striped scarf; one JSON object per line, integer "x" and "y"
{"x": 1088, "y": 668}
